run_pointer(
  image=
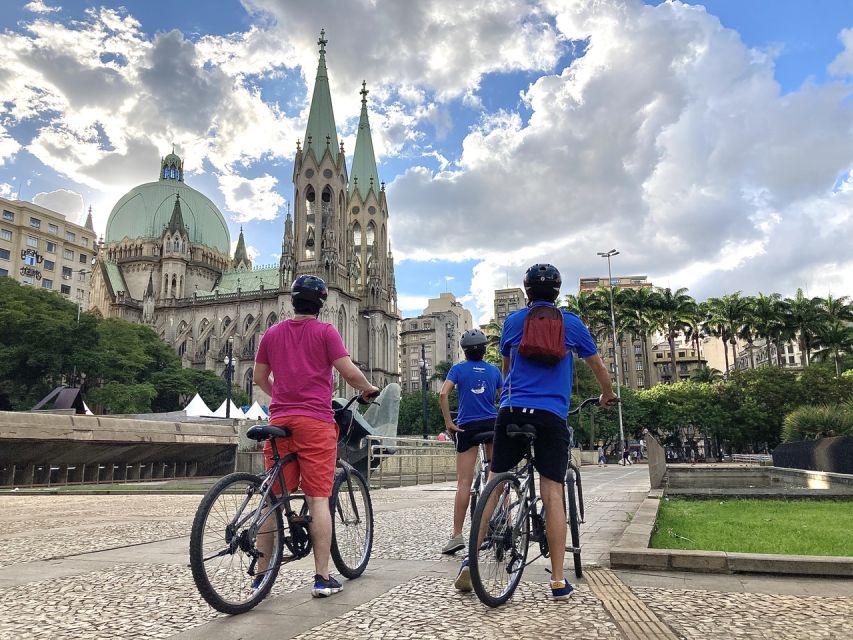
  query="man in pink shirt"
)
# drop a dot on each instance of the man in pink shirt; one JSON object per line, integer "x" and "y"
{"x": 294, "y": 367}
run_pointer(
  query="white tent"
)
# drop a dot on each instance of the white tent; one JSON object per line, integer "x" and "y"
{"x": 87, "y": 410}
{"x": 235, "y": 411}
{"x": 255, "y": 412}
{"x": 197, "y": 407}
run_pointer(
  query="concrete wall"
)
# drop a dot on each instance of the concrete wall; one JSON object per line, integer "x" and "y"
{"x": 657, "y": 461}
{"x": 727, "y": 477}
{"x": 112, "y": 448}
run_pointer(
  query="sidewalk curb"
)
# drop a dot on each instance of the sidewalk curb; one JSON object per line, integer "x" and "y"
{"x": 633, "y": 552}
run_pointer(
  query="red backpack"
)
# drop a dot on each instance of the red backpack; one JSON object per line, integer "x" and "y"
{"x": 544, "y": 336}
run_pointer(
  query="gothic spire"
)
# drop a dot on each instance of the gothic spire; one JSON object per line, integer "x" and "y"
{"x": 176, "y": 222}
{"x": 89, "y": 224}
{"x": 363, "y": 176}
{"x": 321, "y": 133}
{"x": 241, "y": 257}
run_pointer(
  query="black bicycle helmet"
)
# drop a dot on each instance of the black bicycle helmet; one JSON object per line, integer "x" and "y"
{"x": 542, "y": 282}
{"x": 473, "y": 338}
{"x": 309, "y": 288}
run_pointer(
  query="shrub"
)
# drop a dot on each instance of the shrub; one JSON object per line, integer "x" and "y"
{"x": 811, "y": 421}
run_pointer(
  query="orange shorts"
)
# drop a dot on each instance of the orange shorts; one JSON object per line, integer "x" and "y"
{"x": 316, "y": 446}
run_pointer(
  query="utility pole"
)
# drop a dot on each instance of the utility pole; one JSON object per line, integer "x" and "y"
{"x": 622, "y": 443}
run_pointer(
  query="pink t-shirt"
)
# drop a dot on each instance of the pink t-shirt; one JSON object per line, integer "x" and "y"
{"x": 300, "y": 354}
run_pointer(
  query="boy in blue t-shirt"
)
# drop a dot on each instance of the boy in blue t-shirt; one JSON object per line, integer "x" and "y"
{"x": 478, "y": 383}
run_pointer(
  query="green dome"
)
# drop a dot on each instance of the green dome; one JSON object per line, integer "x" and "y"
{"x": 144, "y": 211}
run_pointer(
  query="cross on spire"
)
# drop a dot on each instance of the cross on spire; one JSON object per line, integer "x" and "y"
{"x": 364, "y": 92}
{"x": 322, "y": 41}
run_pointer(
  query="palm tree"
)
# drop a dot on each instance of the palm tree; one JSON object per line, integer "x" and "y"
{"x": 768, "y": 316}
{"x": 493, "y": 332}
{"x": 707, "y": 374}
{"x": 746, "y": 331}
{"x": 639, "y": 311}
{"x": 725, "y": 317}
{"x": 836, "y": 337}
{"x": 441, "y": 370}
{"x": 674, "y": 313}
{"x": 805, "y": 318}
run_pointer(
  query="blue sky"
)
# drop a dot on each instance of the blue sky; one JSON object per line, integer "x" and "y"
{"x": 704, "y": 144}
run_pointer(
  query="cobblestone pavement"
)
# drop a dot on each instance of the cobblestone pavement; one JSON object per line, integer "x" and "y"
{"x": 118, "y": 570}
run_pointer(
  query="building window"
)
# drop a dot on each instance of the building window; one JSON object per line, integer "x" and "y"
{"x": 66, "y": 273}
{"x": 51, "y": 247}
{"x": 47, "y": 284}
{"x": 4, "y": 273}
{"x": 49, "y": 265}
{"x": 69, "y": 235}
{"x": 4, "y": 254}
{"x": 52, "y": 228}
{"x": 80, "y": 294}
{"x": 659, "y": 356}
{"x": 639, "y": 365}
{"x": 27, "y": 280}
{"x": 8, "y": 215}
{"x": 32, "y": 241}
{"x": 84, "y": 258}
{"x": 65, "y": 289}
{"x": 85, "y": 242}
{"x": 791, "y": 360}
{"x": 680, "y": 354}
{"x": 5, "y": 234}
{"x": 68, "y": 254}
{"x": 35, "y": 223}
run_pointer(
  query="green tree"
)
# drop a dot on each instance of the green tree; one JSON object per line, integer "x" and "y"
{"x": 725, "y": 316}
{"x": 768, "y": 313}
{"x": 707, "y": 374}
{"x": 441, "y": 370}
{"x": 805, "y": 318}
{"x": 674, "y": 314}
{"x": 410, "y": 421}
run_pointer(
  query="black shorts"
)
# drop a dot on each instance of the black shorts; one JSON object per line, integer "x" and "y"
{"x": 463, "y": 439}
{"x": 550, "y": 449}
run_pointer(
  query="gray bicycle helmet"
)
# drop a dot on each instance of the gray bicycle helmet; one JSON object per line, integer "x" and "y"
{"x": 473, "y": 338}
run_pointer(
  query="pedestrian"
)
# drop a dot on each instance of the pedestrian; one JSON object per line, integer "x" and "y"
{"x": 478, "y": 383}
{"x": 626, "y": 460}
{"x": 294, "y": 367}
{"x": 537, "y": 345}
{"x": 602, "y": 460}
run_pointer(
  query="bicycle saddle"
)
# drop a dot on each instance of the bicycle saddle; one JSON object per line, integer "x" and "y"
{"x": 482, "y": 438}
{"x": 262, "y": 432}
{"x": 521, "y": 431}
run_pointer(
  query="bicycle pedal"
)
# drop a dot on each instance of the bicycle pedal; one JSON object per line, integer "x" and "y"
{"x": 572, "y": 549}
{"x": 299, "y": 520}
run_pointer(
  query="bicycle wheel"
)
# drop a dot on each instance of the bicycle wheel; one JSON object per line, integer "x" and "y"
{"x": 574, "y": 522}
{"x": 223, "y": 544}
{"x": 352, "y": 524}
{"x": 500, "y": 533}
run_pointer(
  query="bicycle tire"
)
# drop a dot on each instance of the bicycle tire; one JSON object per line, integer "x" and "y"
{"x": 519, "y": 538}
{"x": 574, "y": 522}
{"x": 204, "y": 539}
{"x": 351, "y": 562}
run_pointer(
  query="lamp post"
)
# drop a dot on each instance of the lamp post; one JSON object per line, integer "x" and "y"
{"x": 423, "y": 364}
{"x": 82, "y": 272}
{"x": 608, "y": 255}
{"x": 229, "y": 372}
{"x": 369, "y": 361}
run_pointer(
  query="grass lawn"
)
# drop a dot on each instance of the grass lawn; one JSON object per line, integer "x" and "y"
{"x": 795, "y": 527}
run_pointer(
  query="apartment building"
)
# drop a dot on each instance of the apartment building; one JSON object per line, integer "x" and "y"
{"x": 623, "y": 282}
{"x": 40, "y": 248}
{"x": 687, "y": 361}
{"x": 436, "y": 334}
{"x": 507, "y": 301}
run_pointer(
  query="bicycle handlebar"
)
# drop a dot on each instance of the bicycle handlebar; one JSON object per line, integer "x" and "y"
{"x": 358, "y": 398}
{"x": 583, "y": 404}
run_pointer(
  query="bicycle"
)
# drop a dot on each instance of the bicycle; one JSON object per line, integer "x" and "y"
{"x": 509, "y": 516}
{"x": 481, "y": 475}
{"x": 227, "y": 538}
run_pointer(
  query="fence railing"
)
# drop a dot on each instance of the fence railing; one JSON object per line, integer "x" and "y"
{"x": 396, "y": 462}
{"x": 752, "y": 458}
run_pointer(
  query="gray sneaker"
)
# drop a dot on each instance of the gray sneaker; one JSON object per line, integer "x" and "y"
{"x": 456, "y": 543}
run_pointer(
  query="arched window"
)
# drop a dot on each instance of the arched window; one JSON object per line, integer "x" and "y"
{"x": 249, "y": 384}
{"x": 271, "y": 320}
{"x": 310, "y": 222}
{"x": 342, "y": 323}
{"x": 327, "y": 207}
{"x": 182, "y": 350}
{"x": 356, "y": 234}
{"x": 226, "y": 322}
{"x": 371, "y": 236}
{"x": 248, "y": 322}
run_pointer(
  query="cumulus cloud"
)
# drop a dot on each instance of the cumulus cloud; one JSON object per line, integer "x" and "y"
{"x": 68, "y": 203}
{"x": 8, "y": 146}
{"x": 38, "y": 6}
{"x": 669, "y": 139}
{"x": 251, "y": 198}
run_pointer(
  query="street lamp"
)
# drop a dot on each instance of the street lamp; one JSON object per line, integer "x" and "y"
{"x": 82, "y": 272}
{"x": 369, "y": 361}
{"x": 423, "y": 364}
{"x": 608, "y": 255}
{"x": 229, "y": 372}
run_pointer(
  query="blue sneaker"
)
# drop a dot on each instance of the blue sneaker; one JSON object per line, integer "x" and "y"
{"x": 324, "y": 587}
{"x": 463, "y": 580}
{"x": 561, "y": 590}
{"x": 256, "y": 582}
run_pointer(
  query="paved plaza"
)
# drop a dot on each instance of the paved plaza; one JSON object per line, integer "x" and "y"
{"x": 115, "y": 566}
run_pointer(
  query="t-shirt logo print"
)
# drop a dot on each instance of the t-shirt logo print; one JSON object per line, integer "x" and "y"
{"x": 479, "y": 389}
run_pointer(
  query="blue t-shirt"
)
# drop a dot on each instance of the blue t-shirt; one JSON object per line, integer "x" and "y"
{"x": 478, "y": 382}
{"x": 534, "y": 385}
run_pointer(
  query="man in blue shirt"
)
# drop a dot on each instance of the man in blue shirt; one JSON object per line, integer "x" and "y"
{"x": 478, "y": 383}
{"x": 538, "y": 394}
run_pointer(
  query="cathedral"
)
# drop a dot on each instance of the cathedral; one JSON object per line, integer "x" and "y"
{"x": 165, "y": 259}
